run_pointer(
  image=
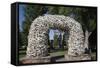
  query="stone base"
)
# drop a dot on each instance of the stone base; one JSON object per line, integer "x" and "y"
{"x": 77, "y": 58}
{"x": 28, "y": 60}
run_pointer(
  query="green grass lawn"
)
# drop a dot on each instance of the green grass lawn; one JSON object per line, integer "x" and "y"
{"x": 57, "y": 53}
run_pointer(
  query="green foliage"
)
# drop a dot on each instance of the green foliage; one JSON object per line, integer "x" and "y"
{"x": 33, "y": 11}
{"x": 53, "y": 10}
{"x": 59, "y": 10}
{"x": 22, "y": 40}
{"x": 65, "y": 10}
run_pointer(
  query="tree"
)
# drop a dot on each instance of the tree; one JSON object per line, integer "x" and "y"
{"x": 87, "y": 18}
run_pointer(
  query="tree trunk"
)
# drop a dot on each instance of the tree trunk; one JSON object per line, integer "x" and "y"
{"x": 86, "y": 42}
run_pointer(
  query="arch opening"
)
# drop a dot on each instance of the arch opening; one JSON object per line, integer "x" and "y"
{"x": 57, "y": 40}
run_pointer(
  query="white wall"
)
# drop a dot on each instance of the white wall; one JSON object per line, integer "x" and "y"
{"x": 5, "y": 34}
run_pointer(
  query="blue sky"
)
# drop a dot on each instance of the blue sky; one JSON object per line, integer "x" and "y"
{"x": 21, "y": 16}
